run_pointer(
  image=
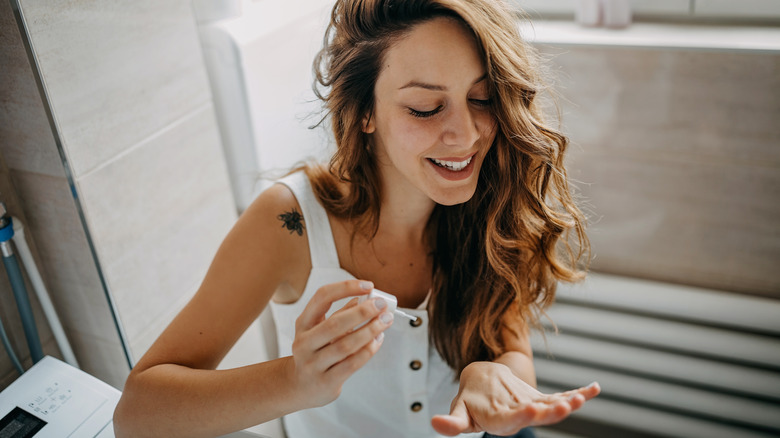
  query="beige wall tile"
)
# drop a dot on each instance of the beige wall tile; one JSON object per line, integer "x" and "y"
{"x": 684, "y": 222}
{"x": 677, "y": 154}
{"x": 101, "y": 358}
{"x": 116, "y": 72}
{"x": 25, "y": 133}
{"x": 703, "y": 106}
{"x": 157, "y": 215}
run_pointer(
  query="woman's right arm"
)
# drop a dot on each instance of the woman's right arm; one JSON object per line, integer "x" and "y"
{"x": 174, "y": 390}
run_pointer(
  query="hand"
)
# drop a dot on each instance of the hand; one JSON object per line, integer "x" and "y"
{"x": 492, "y": 399}
{"x": 327, "y": 351}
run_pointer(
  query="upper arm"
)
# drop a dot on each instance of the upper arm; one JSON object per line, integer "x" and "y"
{"x": 255, "y": 258}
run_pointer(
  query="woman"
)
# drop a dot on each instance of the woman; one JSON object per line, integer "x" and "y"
{"x": 447, "y": 191}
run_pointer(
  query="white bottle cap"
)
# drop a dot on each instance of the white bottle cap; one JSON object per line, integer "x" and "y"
{"x": 391, "y": 300}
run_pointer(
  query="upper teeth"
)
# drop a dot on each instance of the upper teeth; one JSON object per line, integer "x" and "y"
{"x": 453, "y": 165}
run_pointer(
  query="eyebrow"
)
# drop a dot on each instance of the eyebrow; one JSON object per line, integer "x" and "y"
{"x": 417, "y": 84}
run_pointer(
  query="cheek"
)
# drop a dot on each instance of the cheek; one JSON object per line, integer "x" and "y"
{"x": 412, "y": 137}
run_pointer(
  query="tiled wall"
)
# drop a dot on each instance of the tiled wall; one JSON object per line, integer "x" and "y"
{"x": 130, "y": 97}
{"x": 678, "y": 154}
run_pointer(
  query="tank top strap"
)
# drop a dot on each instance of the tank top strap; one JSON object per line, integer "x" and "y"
{"x": 321, "y": 244}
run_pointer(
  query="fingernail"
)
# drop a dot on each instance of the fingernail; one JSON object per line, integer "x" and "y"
{"x": 366, "y": 285}
{"x": 386, "y": 317}
{"x": 379, "y": 338}
{"x": 380, "y": 303}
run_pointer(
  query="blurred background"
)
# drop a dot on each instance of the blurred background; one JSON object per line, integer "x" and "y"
{"x": 132, "y": 135}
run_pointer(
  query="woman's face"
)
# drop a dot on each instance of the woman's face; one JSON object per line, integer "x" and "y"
{"x": 432, "y": 123}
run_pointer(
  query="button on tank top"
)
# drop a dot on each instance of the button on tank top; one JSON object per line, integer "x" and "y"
{"x": 398, "y": 391}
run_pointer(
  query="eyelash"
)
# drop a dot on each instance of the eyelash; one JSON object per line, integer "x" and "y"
{"x": 482, "y": 102}
{"x": 426, "y": 114}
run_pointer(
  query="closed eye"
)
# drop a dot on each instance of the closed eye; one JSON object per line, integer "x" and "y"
{"x": 484, "y": 103}
{"x": 424, "y": 114}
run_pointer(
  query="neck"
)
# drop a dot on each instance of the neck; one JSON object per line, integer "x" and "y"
{"x": 403, "y": 216}
{"x": 405, "y": 210}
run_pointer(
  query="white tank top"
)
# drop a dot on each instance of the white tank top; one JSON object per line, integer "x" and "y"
{"x": 398, "y": 391}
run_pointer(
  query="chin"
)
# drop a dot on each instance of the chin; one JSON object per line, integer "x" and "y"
{"x": 454, "y": 196}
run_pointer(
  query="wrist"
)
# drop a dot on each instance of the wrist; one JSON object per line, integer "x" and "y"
{"x": 298, "y": 391}
{"x": 520, "y": 364}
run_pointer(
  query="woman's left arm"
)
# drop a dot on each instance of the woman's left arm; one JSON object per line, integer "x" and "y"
{"x": 500, "y": 397}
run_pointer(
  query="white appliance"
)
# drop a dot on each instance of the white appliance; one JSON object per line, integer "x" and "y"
{"x": 54, "y": 400}
{"x": 259, "y": 55}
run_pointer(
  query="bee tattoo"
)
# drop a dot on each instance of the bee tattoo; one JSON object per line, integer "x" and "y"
{"x": 293, "y": 221}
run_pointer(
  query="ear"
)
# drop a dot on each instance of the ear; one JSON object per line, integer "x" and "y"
{"x": 368, "y": 124}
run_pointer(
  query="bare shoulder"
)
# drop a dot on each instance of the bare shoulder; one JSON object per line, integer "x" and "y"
{"x": 275, "y": 223}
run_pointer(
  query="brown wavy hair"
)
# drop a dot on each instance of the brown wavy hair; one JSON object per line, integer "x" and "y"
{"x": 498, "y": 257}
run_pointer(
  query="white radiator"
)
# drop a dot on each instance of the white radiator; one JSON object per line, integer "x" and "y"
{"x": 672, "y": 361}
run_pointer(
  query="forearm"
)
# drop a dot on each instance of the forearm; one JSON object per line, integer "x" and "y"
{"x": 171, "y": 400}
{"x": 521, "y": 364}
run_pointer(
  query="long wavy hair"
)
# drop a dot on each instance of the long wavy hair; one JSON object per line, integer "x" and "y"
{"x": 498, "y": 257}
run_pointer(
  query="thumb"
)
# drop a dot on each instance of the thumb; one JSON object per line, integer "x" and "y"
{"x": 458, "y": 421}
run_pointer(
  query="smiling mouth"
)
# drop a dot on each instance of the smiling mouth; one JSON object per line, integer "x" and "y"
{"x": 455, "y": 166}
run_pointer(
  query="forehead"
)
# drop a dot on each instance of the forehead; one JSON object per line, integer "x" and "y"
{"x": 440, "y": 51}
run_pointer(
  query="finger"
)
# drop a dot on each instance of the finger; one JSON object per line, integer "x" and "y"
{"x": 559, "y": 410}
{"x": 345, "y": 368}
{"x": 585, "y": 393}
{"x": 350, "y": 304}
{"x": 591, "y": 390}
{"x": 509, "y": 422}
{"x": 588, "y": 392}
{"x": 338, "y": 325}
{"x": 349, "y": 344}
{"x": 457, "y": 422}
{"x": 552, "y": 413}
{"x": 576, "y": 401}
{"x": 320, "y": 303}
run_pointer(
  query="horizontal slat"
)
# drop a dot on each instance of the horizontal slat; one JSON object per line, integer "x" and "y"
{"x": 643, "y": 391}
{"x": 633, "y": 329}
{"x": 663, "y": 365}
{"x": 546, "y": 432}
{"x": 660, "y": 423}
{"x": 675, "y": 301}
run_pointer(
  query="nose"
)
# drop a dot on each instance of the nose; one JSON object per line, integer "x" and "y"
{"x": 460, "y": 128}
